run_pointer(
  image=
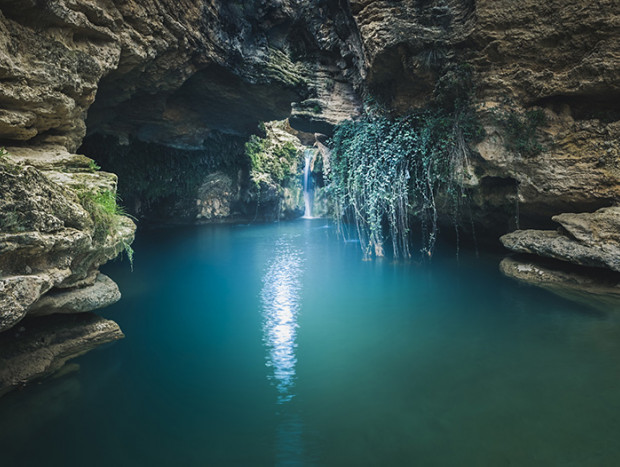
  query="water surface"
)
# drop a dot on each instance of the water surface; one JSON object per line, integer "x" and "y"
{"x": 277, "y": 345}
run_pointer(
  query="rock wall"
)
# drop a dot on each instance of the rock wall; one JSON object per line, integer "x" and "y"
{"x": 182, "y": 74}
{"x": 167, "y": 71}
{"x": 55, "y": 232}
{"x": 560, "y": 58}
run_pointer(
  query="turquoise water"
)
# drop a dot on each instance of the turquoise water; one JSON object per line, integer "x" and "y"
{"x": 277, "y": 345}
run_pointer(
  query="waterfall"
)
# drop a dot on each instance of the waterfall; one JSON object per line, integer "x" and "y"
{"x": 308, "y": 191}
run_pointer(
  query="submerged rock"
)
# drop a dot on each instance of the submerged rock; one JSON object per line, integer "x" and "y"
{"x": 586, "y": 239}
{"x": 41, "y": 346}
{"x": 600, "y": 291}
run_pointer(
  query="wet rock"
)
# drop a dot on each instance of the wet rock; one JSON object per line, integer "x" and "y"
{"x": 47, "y": 343}
{"x": 215, "y": 197}
{"x": 597, "y": 290}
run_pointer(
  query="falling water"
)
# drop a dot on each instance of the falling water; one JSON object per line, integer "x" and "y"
{"x": 308, "y": 192}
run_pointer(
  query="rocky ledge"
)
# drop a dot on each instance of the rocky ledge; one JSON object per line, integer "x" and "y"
{"x": 585, "y": 239}
{"x": 58, "y": 223}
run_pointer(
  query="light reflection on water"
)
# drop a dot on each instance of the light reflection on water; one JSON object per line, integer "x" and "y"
{"x": 394, "y": 364}
{"x": 280, "y": 298}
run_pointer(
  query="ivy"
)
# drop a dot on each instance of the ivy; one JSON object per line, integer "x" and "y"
{"x": 383, "y": 171}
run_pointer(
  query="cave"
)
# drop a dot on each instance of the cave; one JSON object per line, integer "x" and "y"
{"x": 309, "y": 232}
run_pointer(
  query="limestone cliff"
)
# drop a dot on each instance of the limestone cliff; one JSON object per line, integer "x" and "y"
{"x": 562, "y": 59}
{"x": 180, "y": 75}
{"x": 57, "y": 226}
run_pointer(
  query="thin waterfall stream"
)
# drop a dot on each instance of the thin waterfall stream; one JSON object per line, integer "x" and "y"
{"x": 308, "y": 188}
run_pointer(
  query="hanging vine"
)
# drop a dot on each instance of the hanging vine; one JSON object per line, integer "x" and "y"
{"x": 384, "y": 171}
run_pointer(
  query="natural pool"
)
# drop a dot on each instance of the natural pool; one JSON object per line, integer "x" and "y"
{"x": 277, "y": 345}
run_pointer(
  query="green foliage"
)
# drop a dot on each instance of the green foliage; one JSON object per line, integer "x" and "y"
{"x": 3, "y": 153}
{"x": 384, "y": 170}
{"x": 454, "y": 89}
{"x": 520, "y": 131}
{"x": 92, "y": 166}
{"x": 129, "y": 252}
{"x": 106, "y": 214}
{"x": 271, "y": 159}
{"x": 103, "y": 209}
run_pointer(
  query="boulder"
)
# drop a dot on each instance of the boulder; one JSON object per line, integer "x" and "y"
{"x": 586, "y": 239}
{"x": 102, "y": 293}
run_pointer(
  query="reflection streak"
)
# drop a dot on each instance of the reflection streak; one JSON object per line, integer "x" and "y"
{"x": 281, "y": 302}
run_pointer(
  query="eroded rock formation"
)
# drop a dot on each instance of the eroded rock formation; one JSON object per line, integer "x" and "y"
{"x": 51, "y": 247}
{"x": 586, "y": 239}
{"x": 49, "y": 240}
{"x": 562, "y": 59}
{"x": 182, "y": 74}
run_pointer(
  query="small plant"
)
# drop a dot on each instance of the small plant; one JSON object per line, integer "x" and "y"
{"x": 521, "y": 131}
{"x": 92, "y": 166}
{"x": 106, "y": 214}
{"x": 103, "y": 209}
{"x": 128, "y": 250}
